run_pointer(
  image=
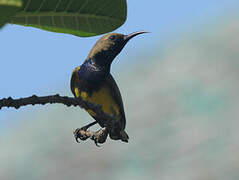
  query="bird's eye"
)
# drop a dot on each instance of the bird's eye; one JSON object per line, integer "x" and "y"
{"x": 112, "y": 37}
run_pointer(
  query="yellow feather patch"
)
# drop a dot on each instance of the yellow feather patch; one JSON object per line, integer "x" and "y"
{"x": 77, "y": 92}
{"x": 103, "y": 97}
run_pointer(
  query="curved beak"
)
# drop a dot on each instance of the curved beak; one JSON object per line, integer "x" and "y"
{"x": 130, "y": 36}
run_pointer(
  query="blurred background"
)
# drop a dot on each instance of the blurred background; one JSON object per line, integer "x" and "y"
{"x": 179, "y": 85}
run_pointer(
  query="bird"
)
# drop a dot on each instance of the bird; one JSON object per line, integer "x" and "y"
{"x": 93, "y": 82}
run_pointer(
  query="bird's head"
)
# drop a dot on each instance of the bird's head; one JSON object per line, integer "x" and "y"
{"x": 109, "y": 46}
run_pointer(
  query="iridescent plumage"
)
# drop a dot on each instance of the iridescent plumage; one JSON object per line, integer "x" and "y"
{"x": 93, "y": 82}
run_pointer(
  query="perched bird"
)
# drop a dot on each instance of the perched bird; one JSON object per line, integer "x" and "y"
{"x": 93, "y": 82}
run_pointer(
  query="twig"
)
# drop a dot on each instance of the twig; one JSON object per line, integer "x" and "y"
{"x": 68, "y": 101}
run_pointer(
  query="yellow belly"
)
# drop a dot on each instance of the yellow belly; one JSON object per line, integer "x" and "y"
{"x": 103, "y": 97}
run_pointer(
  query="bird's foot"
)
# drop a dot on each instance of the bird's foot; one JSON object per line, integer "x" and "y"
{"x": 82, "y": 134}
{"x": 100, "y": 136}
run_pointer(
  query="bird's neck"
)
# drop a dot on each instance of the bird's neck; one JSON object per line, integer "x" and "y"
{"x": 97, "y": 64}
{"x": 100, "y": 64}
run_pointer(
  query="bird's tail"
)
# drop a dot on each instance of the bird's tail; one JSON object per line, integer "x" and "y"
{"x": 122, "y": 135}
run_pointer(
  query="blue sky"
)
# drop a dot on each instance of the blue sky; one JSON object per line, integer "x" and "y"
{"x": 40, "y": 62}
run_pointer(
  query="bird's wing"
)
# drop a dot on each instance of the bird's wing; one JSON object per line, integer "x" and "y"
{"x": 74, "y": 78}
{"x": 117, "y": 96}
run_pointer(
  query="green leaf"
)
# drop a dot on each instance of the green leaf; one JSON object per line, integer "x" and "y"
{"x": 7, "y": 9}
{"x": 77, "y": 17}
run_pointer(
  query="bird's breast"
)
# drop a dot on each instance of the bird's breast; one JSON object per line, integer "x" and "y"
{"x": 91, "y": 78}
{"x": 102, "y": 96}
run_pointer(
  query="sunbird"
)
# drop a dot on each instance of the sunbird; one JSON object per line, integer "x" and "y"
{"x": 93, "y": 82}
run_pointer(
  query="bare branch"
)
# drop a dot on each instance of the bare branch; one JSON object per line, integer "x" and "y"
{"x": 68, "y": 101}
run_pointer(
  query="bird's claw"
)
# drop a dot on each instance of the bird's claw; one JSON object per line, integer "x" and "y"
{"x": 80, "y": 133}
{"x": 95, "y": 140}
{"x": 100, "y": 136}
